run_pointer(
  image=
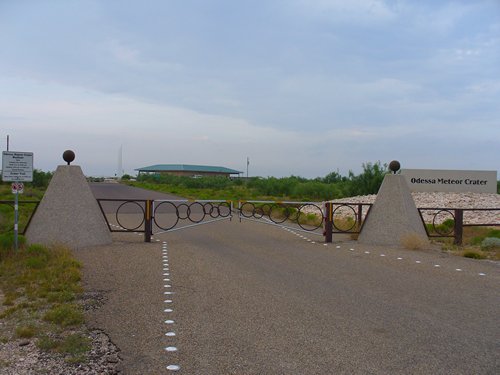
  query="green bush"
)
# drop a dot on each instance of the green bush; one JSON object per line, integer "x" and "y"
{"x": 41, "y": 179}
{"x": 490, "y": 243}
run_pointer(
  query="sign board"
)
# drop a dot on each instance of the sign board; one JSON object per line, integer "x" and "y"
{"x": 17, "y": 188}
{"x": 17, "y": 166}
{"x": 429, "y": 180}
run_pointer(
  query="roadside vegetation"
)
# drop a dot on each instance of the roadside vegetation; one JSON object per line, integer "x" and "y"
{"x": 39, "y": 285}
{"x": 333, "y": 185}
{"x": 39, "y": 290}
{"x": 478, "y": 242}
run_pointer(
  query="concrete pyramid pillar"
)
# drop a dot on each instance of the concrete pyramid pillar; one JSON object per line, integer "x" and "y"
{"x": 393, "y": 215}
{"x": 68, "y": 213}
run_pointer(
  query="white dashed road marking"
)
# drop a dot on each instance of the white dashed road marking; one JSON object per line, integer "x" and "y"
{"x": 169, "y": 334}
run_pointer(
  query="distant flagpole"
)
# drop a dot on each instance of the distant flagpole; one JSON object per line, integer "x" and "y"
{"x": 248, "y": 163}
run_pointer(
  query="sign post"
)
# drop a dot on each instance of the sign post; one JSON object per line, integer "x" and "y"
{"x": 17, "y": 167}
{"x": 17, "y": 188}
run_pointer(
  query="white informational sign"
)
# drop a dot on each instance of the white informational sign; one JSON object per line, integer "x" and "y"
{"x": 17, "y": 166}
{"x": 17, "y": 188}
{"x": 451, "y": 180}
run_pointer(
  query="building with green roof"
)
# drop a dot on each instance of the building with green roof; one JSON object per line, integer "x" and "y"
{"x": 188, "y": 170}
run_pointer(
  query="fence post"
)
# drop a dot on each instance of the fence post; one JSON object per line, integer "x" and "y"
{"x": 459, "y": 226}
{"x": 328, "y": 222}
{"x": 148, "y": 222}
{"x": 359, "y": 217}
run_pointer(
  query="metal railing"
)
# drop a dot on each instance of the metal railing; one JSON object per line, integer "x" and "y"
{"x": 449, "y": 222}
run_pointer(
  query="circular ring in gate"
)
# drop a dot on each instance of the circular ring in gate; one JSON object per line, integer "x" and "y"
{"x": 163, "y": 212}
{"x": 247, "y": 209}
{"x": 310, "y": 212}
{"x": 224, "y": 209}
{"x": 278, "y": 213}
{"x": 345, "y": 228}
{"x": 122, "y": 207}
{"x": 258, "y": 212}
{"x": 208, "y": 208}
{"x": 192, "y": 209}
{"x": 439, "y": 228}
{"x": 183, "y": 211}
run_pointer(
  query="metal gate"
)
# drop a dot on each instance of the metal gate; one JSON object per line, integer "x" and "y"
{"x": 160, "y": 216}
{"x": 168, "y": 214}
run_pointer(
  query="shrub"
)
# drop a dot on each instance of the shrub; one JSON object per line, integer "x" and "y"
{"x": 490, "y": 243}
{"x": 413, "y": 241}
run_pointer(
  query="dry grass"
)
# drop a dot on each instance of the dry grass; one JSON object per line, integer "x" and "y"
{"x": 414, "y": 241}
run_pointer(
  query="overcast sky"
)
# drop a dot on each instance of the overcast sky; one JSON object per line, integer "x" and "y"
{"x": 301, "y": 87}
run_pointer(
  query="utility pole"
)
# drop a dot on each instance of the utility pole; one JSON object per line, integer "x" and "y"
{"x": 248, "y": 163}
{"x": 7, "y": 142}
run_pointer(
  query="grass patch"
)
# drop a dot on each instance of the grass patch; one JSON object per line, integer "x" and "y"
{"x": 40, "y": 287}
{"x": 474, "y": 254}
{"x": 477, "y": 243}
{"x": 65, "y": 315}
{"x": 76, "y": 346}
{"x": 26, "y": 331}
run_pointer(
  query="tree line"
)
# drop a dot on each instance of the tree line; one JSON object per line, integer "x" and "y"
{"x": 331, "y": 186}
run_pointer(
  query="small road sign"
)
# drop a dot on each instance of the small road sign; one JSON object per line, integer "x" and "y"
{"x": 17, "y": 188}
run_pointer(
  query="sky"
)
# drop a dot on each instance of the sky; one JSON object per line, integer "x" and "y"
{"x": 299, "y": 87}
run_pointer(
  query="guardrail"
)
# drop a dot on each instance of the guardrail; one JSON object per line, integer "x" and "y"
{"x": 449, "y": 222}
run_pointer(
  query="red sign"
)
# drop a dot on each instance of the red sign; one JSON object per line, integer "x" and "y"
{"x": 17, "y": 188}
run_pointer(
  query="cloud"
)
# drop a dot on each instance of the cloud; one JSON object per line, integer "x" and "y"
{"x": 301, "y": 87}
{"x": 357, "y": 11}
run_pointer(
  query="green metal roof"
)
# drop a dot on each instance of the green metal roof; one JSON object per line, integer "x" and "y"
{"x": 187, "y": 168}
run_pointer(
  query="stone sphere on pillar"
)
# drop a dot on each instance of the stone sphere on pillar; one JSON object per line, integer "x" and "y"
{"x": 68, "y": 156}
{"x": 394, "y": 166}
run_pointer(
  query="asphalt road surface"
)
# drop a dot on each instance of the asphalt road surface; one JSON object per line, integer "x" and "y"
{"x": 246, "y": 298}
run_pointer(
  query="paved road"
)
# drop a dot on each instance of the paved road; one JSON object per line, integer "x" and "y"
{"x": 253, "y": 299}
